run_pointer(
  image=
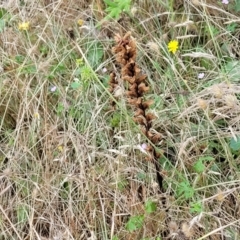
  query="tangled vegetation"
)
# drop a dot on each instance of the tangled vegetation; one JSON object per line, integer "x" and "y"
{"x": 119, "y": 119}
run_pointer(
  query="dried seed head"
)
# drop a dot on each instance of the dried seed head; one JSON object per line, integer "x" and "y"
{"x": 220, "y": 196}
{"x": 134, "y": 11}
{"x": 173, "y": 227}
{"x": 153, "y": 47}
{"x": 187, "y": 230}
{"x": 217, "y": 91}
{"x": 202, "y": 103}
{"x": 118, "y": 92}
{"x": 231, "y": 100}
{"x": 196, "y": 3}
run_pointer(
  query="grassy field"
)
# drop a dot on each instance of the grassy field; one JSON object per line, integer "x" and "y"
{"x": 120, "y": 120}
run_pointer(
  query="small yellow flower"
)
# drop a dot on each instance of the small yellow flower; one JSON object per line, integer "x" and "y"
{"x": 173, "y": 46}
{"x": 24, "y": 26}
{"x": 80, "y": 22}
{"x": 36, "y": 115}
{"x": 60, "y": 148}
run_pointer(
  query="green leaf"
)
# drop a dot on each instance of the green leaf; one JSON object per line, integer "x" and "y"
{"x": 19, "y": 59}
{"x": 122, "y": 183}
{"x": 115, "y": 8}
{"x": 232, "y": 27}
{"x": 150, "y": 206}
{"x": 95, "y": 54}
{"x": 28, "y": 69}
{"x": 22, "y": 214}
{"x": 135, "y": 223}
{"x": 75, "y": 85}
{"x": 4, "y": 18}
{"x": 237, "y": 6}
{"x": 199, "y": 167}
{"x": 206, "y": 158}
{"x": 86, "y": 73}
{"x": 2, "y": 25}
{"x": 60, "y": 108}
{"x": 115, "y": 238}
{"x": 141, "y": 176}
{"x": 116, "y": 119}
{"x": 3, "y": 12}
{"x": 235, "y": 143}
{"x": 196, "y": 207}
{"x": 232, "y": 69}
{"x": 185, "y": 189}
{"x": 110, "y": 3}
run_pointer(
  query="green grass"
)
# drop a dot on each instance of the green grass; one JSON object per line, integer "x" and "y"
{"x": 70, "y": 164}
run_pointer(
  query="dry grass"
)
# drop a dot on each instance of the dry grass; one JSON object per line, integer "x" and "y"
{"x": 71, "y": 167}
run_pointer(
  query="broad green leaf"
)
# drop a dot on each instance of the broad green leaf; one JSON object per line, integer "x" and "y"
{"x": 150, "y": 206}
{"x": 75, "y": 85}
{"x": 28, "y": 69}
{"x": 232, "y": 27}
{"x": 135, "y": 223}
{"x": 235, "y": 143}
{"x": 19, "y": 58}
{"x": 237, "y": 6}
{"x": 232, "y": 69}
{"x": 95, "y": 54}
{"x": 116, "y": 7}
{"x": 3, "y": 12}
{"x": 199, "y": 167}
{"x": 111, "y": 3}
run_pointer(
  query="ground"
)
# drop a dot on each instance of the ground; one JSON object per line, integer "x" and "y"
{"x": 119, "y": 120}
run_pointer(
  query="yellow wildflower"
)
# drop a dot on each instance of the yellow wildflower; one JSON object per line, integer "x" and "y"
{"x": 36, "y": 115}
{"x": 60, "y": 148}
{"x": 24, "y": 26}
{"x": 80, "y": 22}
{"x": 173, "y": 46}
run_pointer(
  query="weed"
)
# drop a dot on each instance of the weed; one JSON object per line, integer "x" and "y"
{"x": 116, "y": 7}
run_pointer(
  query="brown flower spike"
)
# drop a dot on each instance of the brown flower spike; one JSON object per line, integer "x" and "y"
{"x": 125, "y": 51}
